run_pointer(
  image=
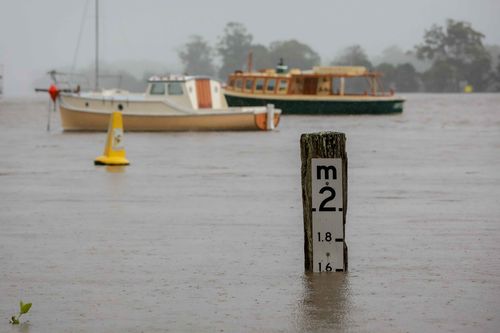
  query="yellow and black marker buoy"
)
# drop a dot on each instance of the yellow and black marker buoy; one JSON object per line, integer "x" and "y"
{"x": 114, "y": 151}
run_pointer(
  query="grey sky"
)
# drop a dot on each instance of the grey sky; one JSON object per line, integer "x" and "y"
{"x": 39, "y": 35}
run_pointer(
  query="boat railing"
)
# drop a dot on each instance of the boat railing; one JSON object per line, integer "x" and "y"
{"x": 377, "y": 94}
{"x": 331, "y": 93}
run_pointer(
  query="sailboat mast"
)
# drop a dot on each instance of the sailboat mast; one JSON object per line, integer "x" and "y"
{"x": 96, "y": 45}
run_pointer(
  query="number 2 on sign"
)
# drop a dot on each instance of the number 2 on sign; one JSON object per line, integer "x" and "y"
{"x": 328, "y": 268}
{"x": 322, "y": 206}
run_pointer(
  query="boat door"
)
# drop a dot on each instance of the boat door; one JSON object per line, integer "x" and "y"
{"x": 310, "y": 86}
{"x": 203, "y": 93}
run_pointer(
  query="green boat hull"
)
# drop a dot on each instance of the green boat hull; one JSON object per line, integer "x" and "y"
{"x": 322, "y": 107}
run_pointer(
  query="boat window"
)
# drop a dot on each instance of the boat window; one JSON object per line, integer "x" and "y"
{"x": 248, "y": 84}
{"x": 271, "y": 84}
{"x": 336, "y": 86}
{"x": 356, "y": 86}
{"x": 283, "y": 86}
{"x": 238, "y": 84}
{"x": 157, "y": 88}
{"x": 231, "y": 83}
{"x": 259, "y": 84}
{"x": 175, "y": 88}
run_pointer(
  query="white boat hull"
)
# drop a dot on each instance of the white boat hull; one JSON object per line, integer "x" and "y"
{"x": 88, "y": 114}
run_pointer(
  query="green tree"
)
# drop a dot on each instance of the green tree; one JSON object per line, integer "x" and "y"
{"x": 462, "y": 49}
{"x": 294, "y": 53}
{"x": 406, "y": 78}
{"x": 233, "y": 47}
{"x": 196, "y": 56}
{"x": 388, "y": 79}
{"x": 352, "y": 56}
{"x": 396, "y": 55}
{"x": 403, "y": 77}
{"x": 495, "y": 78}
{"x": 443, "y": 76}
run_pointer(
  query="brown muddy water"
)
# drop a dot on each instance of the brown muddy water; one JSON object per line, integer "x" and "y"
{"x": 203, "y": 231}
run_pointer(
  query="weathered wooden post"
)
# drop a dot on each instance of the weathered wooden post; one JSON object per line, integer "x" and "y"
{"x": 324, "y": 199}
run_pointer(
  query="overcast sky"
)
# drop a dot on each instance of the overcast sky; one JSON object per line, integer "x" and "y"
{"x": 36, "y": 35}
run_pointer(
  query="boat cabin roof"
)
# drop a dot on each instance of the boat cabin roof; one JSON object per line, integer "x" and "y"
{"x": 317, "y": 71}
{"x": 175, "y": 78}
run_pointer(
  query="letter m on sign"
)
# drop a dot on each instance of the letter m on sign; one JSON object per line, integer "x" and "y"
{"x": 326, "y": 171}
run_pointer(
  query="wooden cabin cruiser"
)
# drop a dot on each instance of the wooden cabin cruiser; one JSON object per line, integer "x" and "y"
{"x": 171, "y": 103}
{"x": 322, "y": 90}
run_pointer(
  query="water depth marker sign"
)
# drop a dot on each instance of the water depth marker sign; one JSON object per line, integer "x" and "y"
{"x": 327, "y": 215}
{"x": 324, "y": 200}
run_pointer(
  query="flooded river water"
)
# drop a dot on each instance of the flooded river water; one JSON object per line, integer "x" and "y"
{"x": 203, "y": 231}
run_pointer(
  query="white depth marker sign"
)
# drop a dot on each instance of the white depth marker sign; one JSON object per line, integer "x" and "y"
{"x": 327, "y": 215}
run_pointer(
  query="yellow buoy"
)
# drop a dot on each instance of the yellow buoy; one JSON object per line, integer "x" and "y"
{"x": 114, "y": 151}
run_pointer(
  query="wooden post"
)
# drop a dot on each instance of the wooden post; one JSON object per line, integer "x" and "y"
{"x": 324, "y": 200}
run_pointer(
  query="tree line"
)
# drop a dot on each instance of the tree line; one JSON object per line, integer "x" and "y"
{"x": 449, "y": 58}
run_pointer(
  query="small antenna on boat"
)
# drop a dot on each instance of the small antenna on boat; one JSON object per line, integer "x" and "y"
{"x": 250, "y": 61}
{"x": 96, "y": 45}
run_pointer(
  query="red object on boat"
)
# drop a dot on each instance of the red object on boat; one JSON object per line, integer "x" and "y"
{"x": 53, "y": 92}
